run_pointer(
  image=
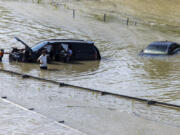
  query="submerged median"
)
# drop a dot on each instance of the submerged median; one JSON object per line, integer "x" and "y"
{"x": 162, "y": 14}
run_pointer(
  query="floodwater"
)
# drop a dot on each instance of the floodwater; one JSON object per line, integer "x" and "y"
{"x": 121, "y": 70}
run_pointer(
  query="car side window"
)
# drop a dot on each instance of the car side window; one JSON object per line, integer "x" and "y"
{"x": 48, "y": 48}
{"x": 58, "y": 49}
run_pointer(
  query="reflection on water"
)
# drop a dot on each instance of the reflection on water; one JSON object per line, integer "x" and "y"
{"x": 58, "y": 71}
{"x": 1, "y": 65}
{"x": 120, "y": 70}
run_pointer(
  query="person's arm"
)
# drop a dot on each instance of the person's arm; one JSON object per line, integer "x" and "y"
{"x": 39, "y": 59}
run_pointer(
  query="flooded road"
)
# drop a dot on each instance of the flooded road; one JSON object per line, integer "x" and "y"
{"x": 121, "y": 70}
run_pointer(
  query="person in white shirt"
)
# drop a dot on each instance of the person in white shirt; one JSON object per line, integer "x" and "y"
{"x": 43, "y": 60}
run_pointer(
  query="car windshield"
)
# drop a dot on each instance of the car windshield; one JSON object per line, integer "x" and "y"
{"x": 156, "y": 49}
{"x": 38, "y": 46}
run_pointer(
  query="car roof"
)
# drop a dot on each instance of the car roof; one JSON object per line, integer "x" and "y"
{"x": 162, "y": 43}
{"x": 67, "y": 41}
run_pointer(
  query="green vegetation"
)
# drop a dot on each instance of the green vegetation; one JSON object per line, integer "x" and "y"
{"x": 38, "y": 1}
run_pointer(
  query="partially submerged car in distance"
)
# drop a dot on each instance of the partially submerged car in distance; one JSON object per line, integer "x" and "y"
{"x": 57, "y": 50}
{"x": 159, "y": 48}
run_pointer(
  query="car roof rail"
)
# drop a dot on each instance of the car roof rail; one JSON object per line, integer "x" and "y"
{"x": 66, "y": 39}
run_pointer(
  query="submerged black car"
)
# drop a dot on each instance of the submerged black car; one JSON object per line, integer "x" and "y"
{"x": 57, "y": 50}
{"x": 161, "y": 48}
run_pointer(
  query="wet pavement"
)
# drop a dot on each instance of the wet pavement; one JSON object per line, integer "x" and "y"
{"x": 89, "y": 112}
{"x": 16, "y": 120}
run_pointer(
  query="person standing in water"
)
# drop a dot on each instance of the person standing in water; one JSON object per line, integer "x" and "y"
{"x": 43, "y": 60}
{"x": 69, "y": 55}
{"x": 1, "y": 54}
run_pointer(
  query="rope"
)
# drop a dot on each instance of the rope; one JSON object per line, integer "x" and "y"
{"x": 149, "y": 102}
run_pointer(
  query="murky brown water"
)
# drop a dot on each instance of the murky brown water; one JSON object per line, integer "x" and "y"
{"x": 121, "y": 70}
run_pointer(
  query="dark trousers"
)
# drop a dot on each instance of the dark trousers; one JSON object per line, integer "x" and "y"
{"x": 43, "y": 68}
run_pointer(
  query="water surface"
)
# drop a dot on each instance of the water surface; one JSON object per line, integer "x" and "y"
{"x": 121, "y": 69}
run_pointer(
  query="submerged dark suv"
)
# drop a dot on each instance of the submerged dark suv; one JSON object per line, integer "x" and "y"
{"x": 57, "y": 50}
{"x": 161, "y": 48}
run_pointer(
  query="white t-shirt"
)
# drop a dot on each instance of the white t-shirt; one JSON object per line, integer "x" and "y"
{"x": 43, "y": 61}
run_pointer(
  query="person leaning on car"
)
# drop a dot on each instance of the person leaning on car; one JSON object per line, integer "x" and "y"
{"x": 43, "y": 60}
